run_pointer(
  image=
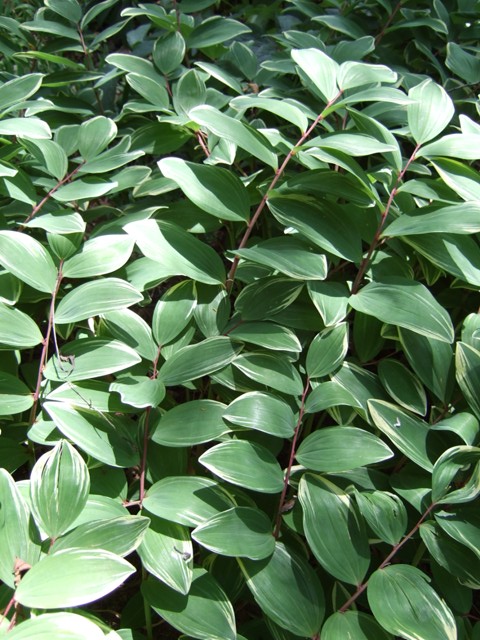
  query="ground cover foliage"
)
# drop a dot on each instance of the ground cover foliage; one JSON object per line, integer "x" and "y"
{"x": 240, "y": 341}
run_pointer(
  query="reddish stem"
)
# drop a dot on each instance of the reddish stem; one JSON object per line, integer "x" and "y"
{"x": 44, "y": 354}
{"x": 388, "y": 22}
{"x": 143, "y": 465}
{"x": 376, "y": 239}
{"x": 277, "y": 176}
{"x": 361, "y": 588}
{"x": 278, "y": 521}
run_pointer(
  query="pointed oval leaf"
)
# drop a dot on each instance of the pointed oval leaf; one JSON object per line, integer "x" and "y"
{"x": 408, "y": 433}
{"x": 262, "y": 411}
{"x": 15, "y": 396}
{"x": 72, "y": 577}
{"x": 354, "y": 625}
{"x": 178, "y": 251}
{"x": 455, "y": 145}
{"x": 197, "y": 360}
{"x": 33, "y": 128}
{"x": 173, "y": 311}
{"x": 405, "y": 303}
{"x": 215, "y": 30}
{"x": 187, "y": 500}
{"x": 217, "y": 191}
{"x": 205, "y": 613}
{"x": 166, "y": 552}
{"x": 467, "y": 361}
{"x": 334, "y": 449}
{"x": 130, "y": 328}
{"x": 168, "y": 52}
{"x": 320, "y": 69}
{"x": 385, "y": 513}
{"x": 19, "y": 89}
{"x": 340, "y": 544}
{"x": 246, "y": 464}
{"x": 457, "y": 218}
{"x": 327, "y": 351}
{"x": 430, "y": 112}
{"x": 139, "y": 391}
{"x": 191, "y": 423}
{"x": 272, "y": 371}
{"x": 90, "y": 358}
{"x": 95, "y": 135}
{"x": 99, "y": 256}
{"x": 461, "y": 459}
{"x": 235, "y": 131}
{"x": 355, "y": 74}
{"x": 267, "y": 335}
{"x": 61, "y": 626}
{"x": 330, "y": 300}
{"x": 463, "y": 525}
{"x": 399, "y": 595}
{"x": 96, "y": 297}
{"x": 27, "y": 259}
{"x": 120, "y": 535}
{"x": 239, "y": 532}
{"x": 105, "y": 438}
{"x": 18, "y": 535}
{"x": 17, "y": 330}
{"x": 284, "y": 110}
{"x": 403, "y": 386}
{"x": 59, "y": 488}
{"x": 83, "y": 189}
{"x": 287, "y": 589}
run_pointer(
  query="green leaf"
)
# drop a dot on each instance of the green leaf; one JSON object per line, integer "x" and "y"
{"x": 334, "y": 449}
{"x": 354, "y": 625}
{"x": 217, "y": 191}
{"x": 95, "y": 135}
{"x": 267, "y": 335}
{"x": 403, "y": 386}
{"x": 187, "y": 500}
{"x": 408, "y": 433}
{"x": 59, "y": 487}
{"x": 289, "y": 256}
{"x": 168, "y": 52}
{"x": 385, "y": 513}
{"x": 96, "y": 297}
{"x": 197, "y": 360}
{"x": 329, "y": 394}
{"x": 205, "y": 613}
{"x": 455, "y": 145}
{"x": 356, "y": 74}
{"x": 132, "y": 64}
{"x": 52, "y": 28}
{"x": 72, "y": 577}
{"x": 319, "y": 69}
{"x": 178, "y": 252}
{"x": 130, "y": 328}
{"x": 430, "y": 112}
{"x": 431, "y": 360}
{"x": 83, "y": 189}
{"x": 58, "y": 222}
{"x": 455, "y": 558}
{"x": 463, "y": 64}
{"x": 191, "y": 423}
{"x": 28, "y": 260}
{"x": 467, "y": 360}
{"x": 327, "y": 351}
{"x": 139, "y": 391}
{"x": 353, "y": 144}
{"x": 234, "y": 131}
{"x": 18, "y": 535}
{"x": 399, "y": 595}
{"x": 173, "y": 311}
{"x": 109, "y": 439}
{"x": 340, "y": 545}
{"x": 323, "y": 225}
{"x": 61, "y": 626}
{"x": 330, "y": 300}
{"x": 166, "y": 552}
{"x": 50, "y": 155}
{"x": 17, "y": 330}
{"x": 149, "y": 89}
{"x": 270, "y": 370}
{"x": 284, "y": 110}
{"x": 458, "y": 218}
{"x": 19, "y": 89}
{"x": 90, "y": 358}
{"x": 463, "y": 525}
{"x": 190, "y": 92}
{"x": 239, "y": 532}
{"x": 15, "y": 396}
{"x": 287, "y": 590}
{"x": 246, "y": 464}
{"x": 267, "y": 296}
{"x": 120, "y": 535}
{"x": 263, "y": 412}
{"x": 215, "y": 30}
{"x": 456, "y": 467}
{"x": 405, "y": 303}
{"x": 30, "y": 128}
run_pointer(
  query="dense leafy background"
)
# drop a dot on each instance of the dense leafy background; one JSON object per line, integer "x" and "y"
{"x": 239, "y": 320}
